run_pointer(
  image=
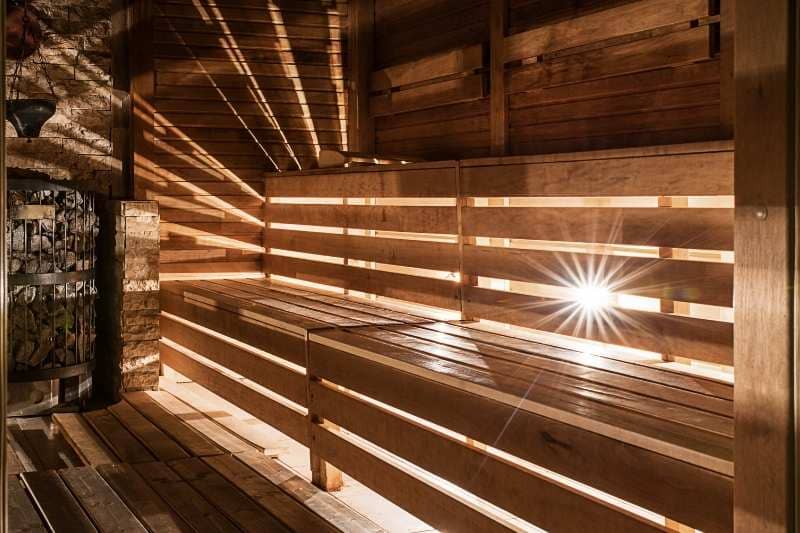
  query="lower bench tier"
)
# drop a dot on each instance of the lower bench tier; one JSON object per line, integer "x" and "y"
{"x": 405, "y": 410}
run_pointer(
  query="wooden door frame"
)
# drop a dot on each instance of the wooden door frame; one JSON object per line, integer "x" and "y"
{"x": 765, "y": 332}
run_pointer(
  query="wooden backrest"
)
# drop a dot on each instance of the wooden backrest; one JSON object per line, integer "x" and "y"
{"x": 627, "y": 247}
{"x": 653, "y": 225}
{"x": 390, "y": 231}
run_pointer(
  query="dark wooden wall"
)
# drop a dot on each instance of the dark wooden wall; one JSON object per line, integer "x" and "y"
{"x": 239, "y": 88}
{"x": 577, "y": 75}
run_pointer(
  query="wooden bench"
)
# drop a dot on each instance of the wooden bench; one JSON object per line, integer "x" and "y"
{"x": 587, "y": 379}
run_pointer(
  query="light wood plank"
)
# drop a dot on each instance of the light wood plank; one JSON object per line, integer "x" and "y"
{"x": 675, "y": 174}
{"x": 183, "y": 498}
{"x": 210, "y": 429}
{"x": 193, "y": 442}
{"x": 442, "y": 511}
{"x": 766, "y": 266}
{"x": 328, "y": 507}
{"x": 666, "y": 227}
{"x": 427, "y": 68}
{"x": 150, "y": 509}
{"x": 538, "y": 500}
{"x": 428, "y": 291}
{"x": 226, "y": 497}
{"x": 607, "y": 463}
{"x": 236, "y": 390}
{"x": 114, "y": 434}
{"x": 388, "y": 218}
{"x": 84, "y": 441}
{"x": 686, "y": 281}
{"x": 695, "y": 338}
{"x": 159, "y": 444}
{"x": 100, "y": 502}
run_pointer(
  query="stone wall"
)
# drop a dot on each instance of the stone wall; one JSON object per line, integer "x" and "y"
{"x": 128, "y": 335}
{"x": 76, "y": 142}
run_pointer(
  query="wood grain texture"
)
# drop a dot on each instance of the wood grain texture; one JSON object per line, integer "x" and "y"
{"x": 628, "y": 18}
{"x": 704, "y": 340}
{"x": 235, "y": 390}
{"x": 421, "y": 254}
{"x": 436, "y": 508}
{"x": 100, "y": 502}
{"x": 149, "y": 508}
{"x": 187, "y": 502}
{"x": 766, "y": 294}
{"x": 686, "y": 281}
{"x": 667, "y": 227}
{"x": 57, "y": 505}
{"x": 269, "y": 496}
{"x": 666, "y": 485}
{"x": 86, "y": 443}
{"x": 534, "y": 499}
{"x": 226, "y": 497}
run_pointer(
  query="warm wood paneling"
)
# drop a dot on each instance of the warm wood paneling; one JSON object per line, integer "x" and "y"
{"x": 237, "y": 89}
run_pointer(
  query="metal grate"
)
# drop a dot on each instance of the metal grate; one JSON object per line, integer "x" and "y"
{"x": 51, "y": 236}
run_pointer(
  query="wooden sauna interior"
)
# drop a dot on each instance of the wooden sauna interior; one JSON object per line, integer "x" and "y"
{"x": 476, "y": 256}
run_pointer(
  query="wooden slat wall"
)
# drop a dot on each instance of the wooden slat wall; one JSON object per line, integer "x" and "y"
{"x": 455, "y": 118}
{"x": 578, "y": 75}
{"x": 368, "y": 231}
{"x": 653, "y": 226}
{"x": 612, "y": 73}
{"x": 240, "y": 88}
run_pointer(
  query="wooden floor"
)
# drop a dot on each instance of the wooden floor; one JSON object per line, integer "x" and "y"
{"x": 154, "y": 463}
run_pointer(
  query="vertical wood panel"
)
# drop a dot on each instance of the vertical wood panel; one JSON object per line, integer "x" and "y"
{"x": 360, "y": 126}
{"x": 727, "y": 53}
{"x": 498, "y": 109}
{"x": 142, "y": 78}
{"x": 765, "y": 255}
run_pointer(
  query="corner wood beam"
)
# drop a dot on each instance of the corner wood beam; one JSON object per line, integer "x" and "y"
{"x": 360, "y": 125}
{"x": 142, "y": 76}
{"x": 765, "y": 270}
{"x": 727, "y": 51}
{"x": 498, "y": 111}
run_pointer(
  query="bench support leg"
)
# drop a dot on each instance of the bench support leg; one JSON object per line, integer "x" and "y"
{"x": 324, "y": 475}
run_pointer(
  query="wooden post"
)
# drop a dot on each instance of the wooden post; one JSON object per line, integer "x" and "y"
{"x": 142, "y": 76}
{"x": 727, "y": 49}
{"x": 360, "y": 126}
{"x": 498, "y": 111}
{"x": 765, "y": 271}
{"x": 323, "y": 474}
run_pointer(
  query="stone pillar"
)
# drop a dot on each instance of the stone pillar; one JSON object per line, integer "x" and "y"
{"x": 128, "y": 358}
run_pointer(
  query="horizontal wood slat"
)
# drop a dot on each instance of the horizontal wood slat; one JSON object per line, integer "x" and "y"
{"x": 420, "y": 254}
{"x": 427, "y": 291}
{"x": 435, "y": 94}
{"x": 411, "y": 183}
{"x": 236, "y": 390}
{"x": 536, "y": 499}
{"x": 428, "y": 68}
{"x": 625, "y": 19}
{"x": 686, "y": 281}
{"x": 697, "y": 174}
{"x": 255, "y": 367}
{"x": 666, "y": 227}
{"x": 705, "y": 340}
{"x": 439, "y": 220}
{"x": 684, "y": 492}
{"x": 397, "y": 485}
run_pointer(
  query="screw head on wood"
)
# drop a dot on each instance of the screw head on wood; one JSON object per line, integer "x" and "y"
{"x": 761, "y": 213}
